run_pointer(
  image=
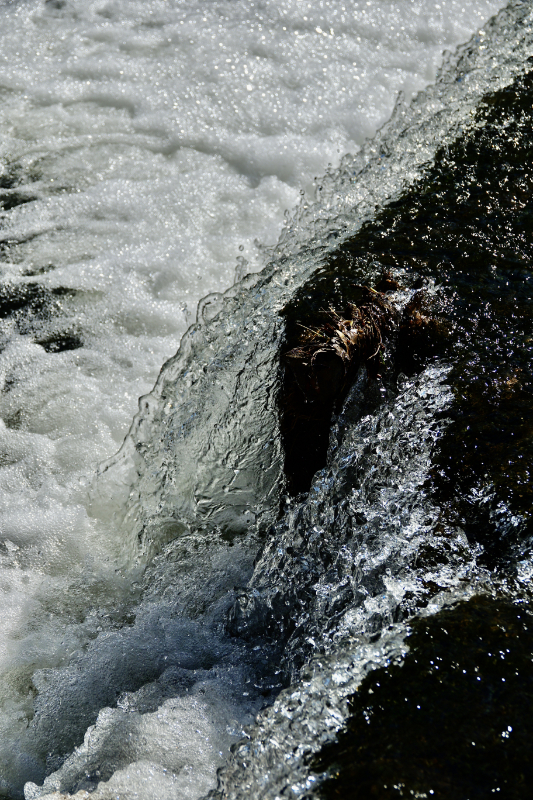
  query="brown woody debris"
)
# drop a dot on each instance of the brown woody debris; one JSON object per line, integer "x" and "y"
{"x": 322, "y": 364}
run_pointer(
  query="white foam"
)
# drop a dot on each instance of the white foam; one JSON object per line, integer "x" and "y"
{"x": 169, "y": 753}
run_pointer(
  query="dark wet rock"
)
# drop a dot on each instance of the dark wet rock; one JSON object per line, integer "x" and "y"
{"x": 459, "y": 245}
{"x": 467, "y": 228}
{"x": 423, "y": 334}
{"x": 453, "y": 721}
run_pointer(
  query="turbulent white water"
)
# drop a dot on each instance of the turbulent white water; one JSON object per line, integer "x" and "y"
{"x": 152, "y": 143}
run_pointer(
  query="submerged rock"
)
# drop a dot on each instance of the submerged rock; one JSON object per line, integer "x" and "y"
{"x": 467, "y": 227}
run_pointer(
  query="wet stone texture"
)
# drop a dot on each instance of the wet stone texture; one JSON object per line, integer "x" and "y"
{"x": 452, "y": 263}
{"x": 454, "y": 721}
{"x": 466, "y": 229}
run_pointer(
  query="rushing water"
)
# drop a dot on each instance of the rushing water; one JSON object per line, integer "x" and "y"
{"x": 145, "y": 146}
